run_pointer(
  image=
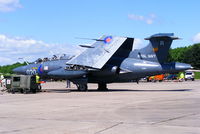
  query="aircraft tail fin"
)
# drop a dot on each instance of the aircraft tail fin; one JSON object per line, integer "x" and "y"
{"x": 158, "y": 48}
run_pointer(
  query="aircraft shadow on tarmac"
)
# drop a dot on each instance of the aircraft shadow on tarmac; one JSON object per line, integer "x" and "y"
{"x": 115, "y": 90}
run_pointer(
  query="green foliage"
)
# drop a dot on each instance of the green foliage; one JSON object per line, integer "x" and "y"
{"x": 190, "y": 55}
{"x": 197, "y": 75}
{"x": 177, "y": 54}
{"x": 8, "y": 68}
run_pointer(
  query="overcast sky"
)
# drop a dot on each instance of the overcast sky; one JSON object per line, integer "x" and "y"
{"x": 39, "y": 28}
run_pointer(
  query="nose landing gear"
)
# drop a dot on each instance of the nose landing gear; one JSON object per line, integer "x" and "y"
{"x": 82, "y": 87}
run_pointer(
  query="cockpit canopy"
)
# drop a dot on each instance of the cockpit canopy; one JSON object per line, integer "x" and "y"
{"x": 55, "y": 57}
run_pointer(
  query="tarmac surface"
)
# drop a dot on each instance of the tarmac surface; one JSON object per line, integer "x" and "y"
{"x": 127, "y": 108}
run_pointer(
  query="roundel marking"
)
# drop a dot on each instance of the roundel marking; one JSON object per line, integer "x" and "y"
{"x": 40, "y": 69}
{"x": 108, "y": 39}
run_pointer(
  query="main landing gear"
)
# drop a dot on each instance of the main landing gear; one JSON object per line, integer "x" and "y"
{"x": 102, "y": 87}
{"x": 84, "y": 87}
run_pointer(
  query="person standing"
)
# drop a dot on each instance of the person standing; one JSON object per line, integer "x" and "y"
{"x": 37, "y": 78}
{"x": 38, "y": 82}
{"x": 68, "y": 84}
{"x": 1, "y": 80}
{"x": 182, "y": 76}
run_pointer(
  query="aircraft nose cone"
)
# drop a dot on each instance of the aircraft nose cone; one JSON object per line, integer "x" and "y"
{"x": 18, "y": 70}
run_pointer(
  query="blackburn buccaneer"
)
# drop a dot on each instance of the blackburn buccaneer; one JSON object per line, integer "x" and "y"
{"x": 111, "y": 59}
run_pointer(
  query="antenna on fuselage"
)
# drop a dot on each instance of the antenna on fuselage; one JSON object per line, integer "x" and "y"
{"x": 24, "y": 60}
{"x": 89, "y": 39}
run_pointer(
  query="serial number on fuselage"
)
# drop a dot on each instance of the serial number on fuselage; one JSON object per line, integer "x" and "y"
{"x": 31, "y": 72}
{"x": 147, "y": 56}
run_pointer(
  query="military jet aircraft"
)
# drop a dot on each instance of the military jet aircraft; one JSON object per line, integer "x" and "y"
{"x": 111, "y": 59}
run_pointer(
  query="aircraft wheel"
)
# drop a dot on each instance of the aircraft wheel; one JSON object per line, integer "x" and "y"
{"x": 39, "y": 88}
{"x": 102, "y": 87}
{"x": 34, "y": 90}
{"x": 26, "y": 91}
{"x": 82, "y": 87}
{"x": 12, "y": 91}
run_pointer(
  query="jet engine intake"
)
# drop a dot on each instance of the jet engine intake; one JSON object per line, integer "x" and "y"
{"x": 67, "y": 74}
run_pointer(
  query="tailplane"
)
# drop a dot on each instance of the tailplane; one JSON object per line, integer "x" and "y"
{"x": 158, "y": 48}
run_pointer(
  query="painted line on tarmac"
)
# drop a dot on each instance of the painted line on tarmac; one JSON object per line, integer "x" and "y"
{"x": 109, "y": 127}
{"x": 171, "y": 119}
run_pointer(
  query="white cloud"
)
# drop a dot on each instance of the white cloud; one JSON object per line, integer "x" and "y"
{"x": 9, "y": 5}
{"x": 196, "y": 38}
{"x": 150, "y": 19}
{"x": 138, "y": 43}
{"x": 12, "y": 48}
{"x": 5, "y": 60}
{"x": 136, "y": 17}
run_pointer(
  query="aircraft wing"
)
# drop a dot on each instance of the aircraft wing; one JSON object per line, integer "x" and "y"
{"x": 99, "y": 53}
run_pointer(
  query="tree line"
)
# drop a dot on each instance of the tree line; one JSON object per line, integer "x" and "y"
{"x": 190, "y": 55}
{"x": 7, "y": 69}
